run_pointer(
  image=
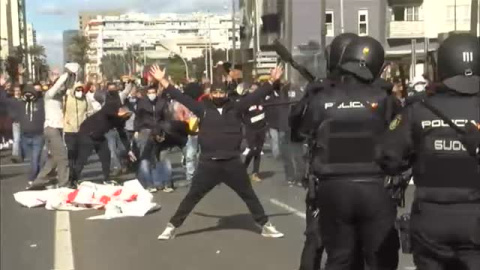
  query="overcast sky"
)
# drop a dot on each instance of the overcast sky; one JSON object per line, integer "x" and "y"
{"x": 51, "y": 17}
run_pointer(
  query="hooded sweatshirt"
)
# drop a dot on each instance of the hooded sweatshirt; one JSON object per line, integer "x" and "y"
{"x": 29, "y": 113}
{"x": 75, "y": 110}
{"x": 97, "y": 125}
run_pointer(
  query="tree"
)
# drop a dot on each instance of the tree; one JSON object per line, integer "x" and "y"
{"x": 113, "y": 66}
{"x": 79, "y": 50}
{"x": 37, "y": 52}
{"x": 11, "y": 67}
{"x": 198, "y": 63}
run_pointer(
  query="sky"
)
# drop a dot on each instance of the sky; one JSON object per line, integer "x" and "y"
{"x": 51, "y": 17}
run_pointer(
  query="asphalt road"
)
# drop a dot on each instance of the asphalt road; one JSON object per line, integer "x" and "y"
{"x": 220, "y": 234}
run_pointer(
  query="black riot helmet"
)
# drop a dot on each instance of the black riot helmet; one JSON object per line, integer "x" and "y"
{"x": 336, "y": 49}
{"x": 363, "y": 57}
{"x": 459, "y": 63}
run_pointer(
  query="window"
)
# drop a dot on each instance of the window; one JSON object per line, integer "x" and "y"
{"x": 363, "y": 22}
{"x": 329, "y": 24}
{"x": 462, "y": 13}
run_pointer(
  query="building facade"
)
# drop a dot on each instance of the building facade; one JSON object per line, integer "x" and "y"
{"x": 31, "y": 41}
{"x": 13, "y": 27}
{"x": 157, "y": 36}
{"x": 86, "y": 16}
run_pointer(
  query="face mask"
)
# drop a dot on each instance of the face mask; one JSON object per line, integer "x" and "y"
{"x": 132, "y": 99}
{"x": 152, "y": 97}
{"x": 78, "y": 94}
{"x": 219, "y": 102}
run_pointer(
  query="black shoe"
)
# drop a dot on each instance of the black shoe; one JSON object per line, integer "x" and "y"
{"x": 115, "y": 172}
{"x": 38, "y": 186}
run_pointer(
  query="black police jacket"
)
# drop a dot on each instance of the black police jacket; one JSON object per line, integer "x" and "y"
{"x": 220, "y": 134}
{"x": 345, "y": 121}
{"x": 443, "y": 170}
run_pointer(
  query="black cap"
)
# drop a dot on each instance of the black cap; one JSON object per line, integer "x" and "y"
{"x": 337, "y": 48}
{"x": 364, "y": 57}
{"x": 459, "y": 63}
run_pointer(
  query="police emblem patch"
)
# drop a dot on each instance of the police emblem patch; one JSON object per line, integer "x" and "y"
{"x": 396, "y": 122}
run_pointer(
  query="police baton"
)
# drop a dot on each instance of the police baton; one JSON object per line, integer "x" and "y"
{"x": 287, "y": 57}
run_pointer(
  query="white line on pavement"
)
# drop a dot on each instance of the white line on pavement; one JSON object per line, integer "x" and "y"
{"x": 288, "y": 208}
{"x": 13, "y": 165}
{"x": 63, "y": 242}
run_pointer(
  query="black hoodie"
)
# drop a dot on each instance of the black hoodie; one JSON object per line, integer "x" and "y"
{"x": 97, "y": 125}
{"x": 29, "y": 113}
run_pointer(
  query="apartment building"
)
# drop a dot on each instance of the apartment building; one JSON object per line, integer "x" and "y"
{"x": 31, "y": 41}
{"x": 13, "y": 26}
{"x": 157, "y": 36}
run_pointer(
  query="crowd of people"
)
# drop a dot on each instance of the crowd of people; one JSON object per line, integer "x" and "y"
{"x": 54, "y": 125}
{"x": 356, "y": 130}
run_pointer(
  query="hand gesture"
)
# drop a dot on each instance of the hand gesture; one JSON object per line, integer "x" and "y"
{"x": 3, "y": 80}
{"x": 132, "y": 156}
{"x": 276, "y": 73}
{"x": 157, "y": 73}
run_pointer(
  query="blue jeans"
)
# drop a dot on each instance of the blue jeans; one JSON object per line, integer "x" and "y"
{"x": 153, "y": 175}
{"x": 33, "y": 144}
{"x": 191, "y": 156}
{"x": 157, "y": 175}
{"x": 16, "y": 150}
{"x": 287, "y": 152}
{"x": 114, "y": 144}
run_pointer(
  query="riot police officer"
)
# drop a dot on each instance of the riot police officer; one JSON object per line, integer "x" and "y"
{"x": 313, "y": 247}
{"x": 445, "y": 217}
{"x": 345, "y": 122}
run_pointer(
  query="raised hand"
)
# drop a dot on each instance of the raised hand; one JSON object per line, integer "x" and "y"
{"x": 157, "y": 73}
{"x": 276, "y": 73}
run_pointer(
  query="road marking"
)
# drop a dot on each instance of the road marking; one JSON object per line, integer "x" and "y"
{"x": 14, "y": 165}
{"x": 289, "y": 208}
{"x": 63, "y": 242}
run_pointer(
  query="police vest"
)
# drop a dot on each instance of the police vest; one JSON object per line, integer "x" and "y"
{"x": 350, "y": 123}
{"x": 442, "y": 161}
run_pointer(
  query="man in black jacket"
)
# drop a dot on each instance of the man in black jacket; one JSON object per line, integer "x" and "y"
{"x": 220, "y": 138}
{"x": 30, "y": 113}
{"x": 151, "y": 110}
{"x": 92, "y": 136}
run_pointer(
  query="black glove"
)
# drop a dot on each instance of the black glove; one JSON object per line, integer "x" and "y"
{"x": 471, "y": 139}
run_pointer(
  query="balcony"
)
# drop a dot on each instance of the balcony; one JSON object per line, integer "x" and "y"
{"x": 406, "y": 29}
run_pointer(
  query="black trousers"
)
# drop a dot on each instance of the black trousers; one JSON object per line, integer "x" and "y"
{"x": 358, "y": 213}
{"x": 86, "y": 146}
{"x": 209, "y": 174}
{"x": 255, "y": 140}
{"x": 73, "y": 145}
{"x": 313, "y": 248}
{"x": 445, "y": 236}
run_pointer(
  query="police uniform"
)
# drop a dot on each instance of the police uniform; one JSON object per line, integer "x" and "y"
{"x": 346, "y": 121}
{"x": 445, "y": 217}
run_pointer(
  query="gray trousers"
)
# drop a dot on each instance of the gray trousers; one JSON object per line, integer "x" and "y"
{"x": 58, "y": 158}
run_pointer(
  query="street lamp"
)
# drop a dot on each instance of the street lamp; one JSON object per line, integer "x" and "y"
{"x": 181, "y": 57}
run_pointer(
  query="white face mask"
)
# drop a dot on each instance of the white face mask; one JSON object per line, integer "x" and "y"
{"x": 78, "y": 94}
{"x": 152, "y": 96}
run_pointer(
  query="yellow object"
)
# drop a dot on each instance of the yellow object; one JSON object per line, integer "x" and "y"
{"x": 193, "y": 124}
{"x": 264, "y": 78}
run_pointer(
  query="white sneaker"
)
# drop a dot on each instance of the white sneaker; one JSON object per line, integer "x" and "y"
{"x": 168, "y": 190}
{"x": 168, "y": 233}
{"x": 262, "y": 153}
{"x": 152, "y": 190}
{"x": 268, "y": 230}
{"x": 247, "y": 150}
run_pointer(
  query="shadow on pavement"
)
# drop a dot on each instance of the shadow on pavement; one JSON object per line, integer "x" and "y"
{"x": 235, "y": 222}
